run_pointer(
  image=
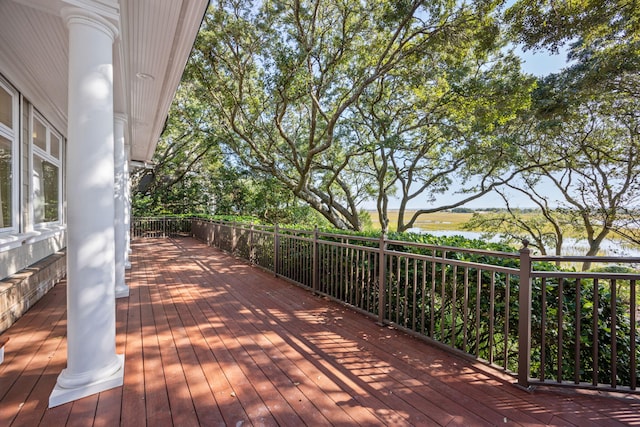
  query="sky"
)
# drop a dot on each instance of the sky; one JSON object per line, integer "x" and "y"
{"x": 541, "y": 63}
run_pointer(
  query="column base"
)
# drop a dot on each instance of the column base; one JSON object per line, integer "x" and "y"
{"x": 122, "y": 291}
{"x": 3, "y": 342}
{"x": 61, "y": 395}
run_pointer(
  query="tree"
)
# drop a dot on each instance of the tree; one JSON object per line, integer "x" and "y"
{"x": 583, "y": 127}
{"x": 628, "y": 225}
{"x": 284, "y": 79}
{"x": 177, "y": 181}
{"x": 191, "y": 174}
{"x": 586, "y": 145}
{"x": 603, "y": 35}
{"x": 430, "y": 126}
{"x": 544, "y": 228}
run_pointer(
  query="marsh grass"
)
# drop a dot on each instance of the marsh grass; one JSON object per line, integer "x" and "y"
{"x": 432, "y": 221}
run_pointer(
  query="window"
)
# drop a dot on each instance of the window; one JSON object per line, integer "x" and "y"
{"x": 8, "y": 157}
{"x": 46, "y": 149}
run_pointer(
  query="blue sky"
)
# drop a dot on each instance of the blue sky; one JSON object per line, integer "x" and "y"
{"x": 541, "y": 63}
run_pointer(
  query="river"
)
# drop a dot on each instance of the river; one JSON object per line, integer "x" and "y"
{"x": 609, "y": 247}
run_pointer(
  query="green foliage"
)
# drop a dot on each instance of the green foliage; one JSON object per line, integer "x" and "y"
{"x": 192, "y": 174}
{"x": 581, "y": 134}
{"x": 318, "y": 94}
{"x": 240, "y": 219}
{"x": 604, "y": 37}
{"x": 566, "y": 311}
{"x": 587, "y": 146}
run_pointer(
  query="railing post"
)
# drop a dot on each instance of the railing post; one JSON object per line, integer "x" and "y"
{"x": 524, "y": 316}
{"x": 316, "y": 262}
{"x": 382, "y": 279}
{"x": 276, "y": 250}
{"x": 234, "y": 240}
{"x": 252, "y": 254}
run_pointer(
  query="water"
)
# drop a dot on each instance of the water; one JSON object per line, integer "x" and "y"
{"x": 573, "y": 247}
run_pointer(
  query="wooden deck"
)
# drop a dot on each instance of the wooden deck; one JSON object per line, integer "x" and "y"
{"x": 209, "y": 341}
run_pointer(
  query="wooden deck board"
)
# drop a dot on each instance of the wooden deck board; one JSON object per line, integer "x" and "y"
{"x": 212, "y": 341}
{"x": 157, "y": 409}
{"x": 133, "y": 411}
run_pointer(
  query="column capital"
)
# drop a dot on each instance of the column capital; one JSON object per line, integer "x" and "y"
{"x": 121, "y": 117}
{"x": 108, "y": 9}
{"x": 74, "y": 15}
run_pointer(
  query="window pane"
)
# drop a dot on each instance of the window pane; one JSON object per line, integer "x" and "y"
{"x": 55, "y": 146}
{"x": 5, "y": 183}
{"x": 6, "y": 108}
{"x": 50, "y": 192}
{"x": 45, "y": 191}
{"x": 39, "y": 134}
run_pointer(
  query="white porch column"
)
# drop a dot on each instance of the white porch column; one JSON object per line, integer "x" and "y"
{"x": 127, "y": 207}
{"x": 122, "y": 290}
{"x": 92, "y": 362}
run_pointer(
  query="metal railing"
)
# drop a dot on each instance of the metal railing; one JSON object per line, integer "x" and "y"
{"x": 563, "y": 328}
{"x": 583, "y": 325}
{"x": 160, "y": 227}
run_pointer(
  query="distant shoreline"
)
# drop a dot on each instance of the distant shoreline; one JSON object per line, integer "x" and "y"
{"x": 447, "y": 222}
{"x": 432, "y": 221}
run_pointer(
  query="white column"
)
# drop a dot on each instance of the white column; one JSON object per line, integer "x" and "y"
{"x": 127, "y": 208}
{"x": 92, "y": 362}
{"x": 122, "y": 290}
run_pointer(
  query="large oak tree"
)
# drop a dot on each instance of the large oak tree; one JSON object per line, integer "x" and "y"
{"x": 284, "y": 82}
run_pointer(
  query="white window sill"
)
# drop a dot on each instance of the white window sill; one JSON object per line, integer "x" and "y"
{"x": 12, "y": 241}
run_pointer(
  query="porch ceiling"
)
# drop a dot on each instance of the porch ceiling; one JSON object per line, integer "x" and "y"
{"x": 149, "y": 56}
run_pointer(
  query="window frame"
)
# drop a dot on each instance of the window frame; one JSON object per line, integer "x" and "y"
{"x": 13, "y": 135}
{"x": 45, "y": 155}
